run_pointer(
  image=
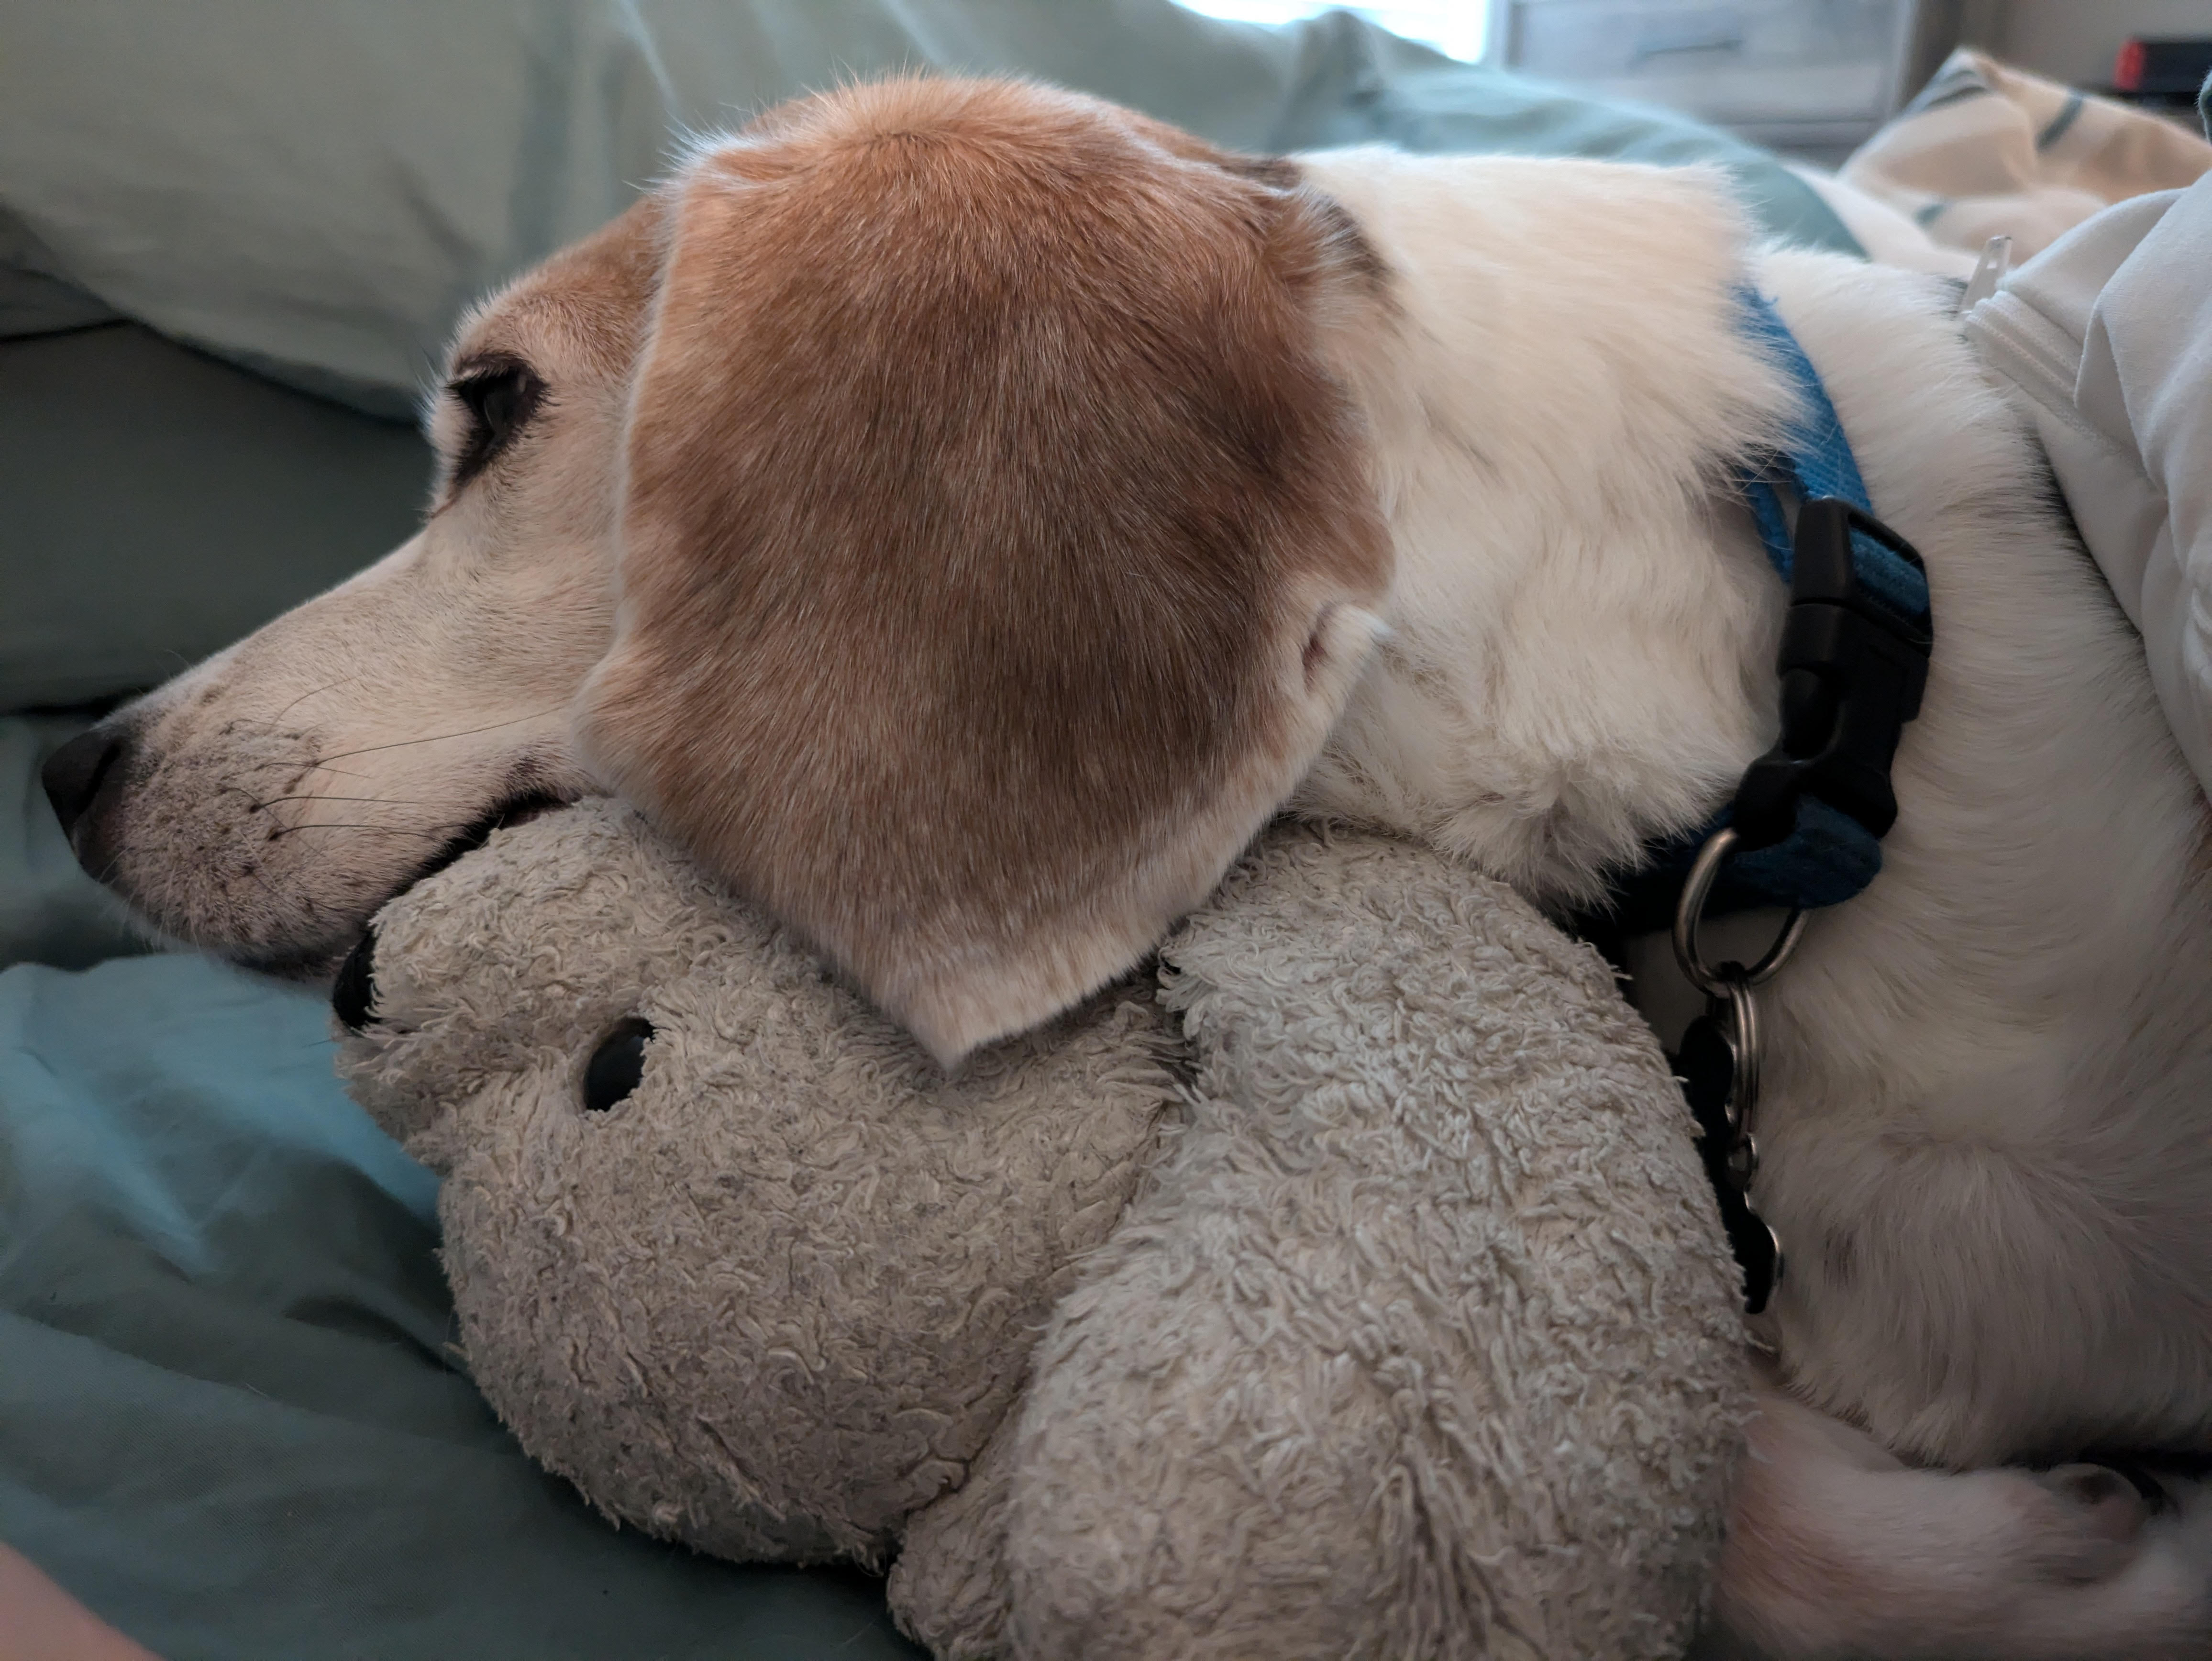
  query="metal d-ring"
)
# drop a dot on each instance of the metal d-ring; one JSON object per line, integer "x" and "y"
{"x": 1689, "y": 915}
{"x": 1745, "y": 1048}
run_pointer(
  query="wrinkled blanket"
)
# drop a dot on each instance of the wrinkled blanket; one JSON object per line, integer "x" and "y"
{"x": 1990, "y": 150}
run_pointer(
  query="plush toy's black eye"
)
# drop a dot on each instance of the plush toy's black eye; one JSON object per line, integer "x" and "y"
{"x": 501, "y": 395}
{"x": 617, "y": 1064}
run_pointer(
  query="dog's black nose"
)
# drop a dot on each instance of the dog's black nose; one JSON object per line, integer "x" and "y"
{"x": 86, "y": 774}
{"x": 353, "y": 995}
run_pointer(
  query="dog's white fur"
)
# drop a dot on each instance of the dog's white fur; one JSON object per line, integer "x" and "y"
{"x": 1988, "y": 1123}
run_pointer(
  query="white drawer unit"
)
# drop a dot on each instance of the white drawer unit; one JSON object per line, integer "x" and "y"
{"x": 1792, "y": 72}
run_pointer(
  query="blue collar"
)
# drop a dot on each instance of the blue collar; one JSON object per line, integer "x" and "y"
{"x": 1819, "y": 463}
{"x": 1811, "y": 813}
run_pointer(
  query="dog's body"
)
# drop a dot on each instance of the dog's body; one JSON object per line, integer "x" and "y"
{"x": 1987, "y": 1120}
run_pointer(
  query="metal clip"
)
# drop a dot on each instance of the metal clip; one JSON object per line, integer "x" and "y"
{"x": 1721, "y": 1061}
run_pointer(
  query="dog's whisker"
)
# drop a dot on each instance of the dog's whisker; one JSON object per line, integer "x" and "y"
{"x": 374, "y": 802}
{"x": 446, "y": 830}
{"x": 254, "y": 804}
{"x": 440, "y": 737}
{"x": 315, "y": 692}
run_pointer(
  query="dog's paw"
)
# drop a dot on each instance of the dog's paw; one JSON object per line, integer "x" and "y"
{"x": 1837, "y": 1549}
{"x": 2080, "y": 1522}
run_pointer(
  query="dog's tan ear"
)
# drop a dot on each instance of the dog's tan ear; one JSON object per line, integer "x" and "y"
{"x": 997, "y": 549}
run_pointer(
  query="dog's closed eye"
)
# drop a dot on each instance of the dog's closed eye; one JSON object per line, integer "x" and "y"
{"x": 500, "y": 395}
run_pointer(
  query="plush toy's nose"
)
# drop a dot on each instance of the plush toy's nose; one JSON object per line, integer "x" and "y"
{"x": 353, "y": 995}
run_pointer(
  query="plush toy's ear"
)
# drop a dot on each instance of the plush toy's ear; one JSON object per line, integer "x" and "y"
{"x": 997, "y": 549}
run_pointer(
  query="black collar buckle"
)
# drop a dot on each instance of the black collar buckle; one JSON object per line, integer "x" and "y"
{"x": 1853, "y": 666}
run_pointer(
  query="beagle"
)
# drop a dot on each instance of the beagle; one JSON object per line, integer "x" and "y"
{"x": 960, "y": 513}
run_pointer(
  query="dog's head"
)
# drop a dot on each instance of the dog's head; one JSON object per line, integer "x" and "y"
{"x": 933, "y": 506}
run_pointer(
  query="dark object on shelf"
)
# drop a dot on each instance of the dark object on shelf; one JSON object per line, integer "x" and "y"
{"x": 2162, "y": 71}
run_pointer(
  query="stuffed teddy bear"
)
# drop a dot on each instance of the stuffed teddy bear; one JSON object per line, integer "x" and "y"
{"x": 1350, "y": 1287}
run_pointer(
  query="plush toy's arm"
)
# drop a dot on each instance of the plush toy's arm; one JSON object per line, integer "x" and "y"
{"x": 1424, "y": 1342}
{"x": 948, "y": 1588}
{"x": 1206, "y": 1463}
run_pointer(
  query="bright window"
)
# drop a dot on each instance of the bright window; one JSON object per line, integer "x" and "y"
{"x": 1456, "y": 27}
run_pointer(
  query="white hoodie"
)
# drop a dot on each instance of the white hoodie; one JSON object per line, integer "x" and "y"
{"x": 2107, "y": 338}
